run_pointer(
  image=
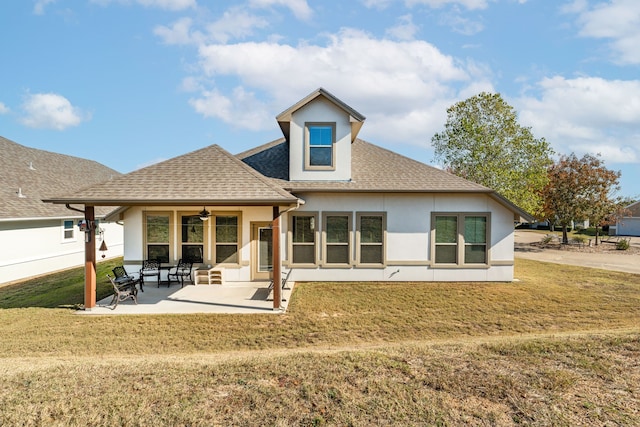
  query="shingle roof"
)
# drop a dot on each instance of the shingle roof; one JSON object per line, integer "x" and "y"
{"x": 209, "y": 176}
{"x": 373, "y": 169}
{"x": 49, "y": 173}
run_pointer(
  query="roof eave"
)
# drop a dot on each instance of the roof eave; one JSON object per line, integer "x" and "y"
{"x": 166, "y": 202}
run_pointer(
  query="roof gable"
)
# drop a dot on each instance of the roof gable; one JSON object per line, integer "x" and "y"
{"x": 355, "y": 118}
{"x": 209, "y": 176}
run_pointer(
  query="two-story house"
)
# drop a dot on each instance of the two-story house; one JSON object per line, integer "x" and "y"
{"x": 318, "y": 204}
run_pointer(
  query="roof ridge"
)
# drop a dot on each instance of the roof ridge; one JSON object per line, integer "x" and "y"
{"x": 257, "y": 174}
{"x": 255, "y": 150}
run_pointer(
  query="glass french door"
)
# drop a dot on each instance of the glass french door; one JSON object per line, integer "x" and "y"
{"x": 262, "y": 259}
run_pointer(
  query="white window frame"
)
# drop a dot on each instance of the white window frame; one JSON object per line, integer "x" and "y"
{"x": 72, "y": 229}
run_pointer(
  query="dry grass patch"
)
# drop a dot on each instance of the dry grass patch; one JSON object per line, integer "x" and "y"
{"x": 560, "y": 347}
{"x": 549, "y": 298}
{"x": 573, "y": 380}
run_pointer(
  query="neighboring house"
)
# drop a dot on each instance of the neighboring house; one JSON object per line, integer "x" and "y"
{"x": 36, "y": 237}
{"x": 628, "y": 225}
{"x": 319, "y": 203}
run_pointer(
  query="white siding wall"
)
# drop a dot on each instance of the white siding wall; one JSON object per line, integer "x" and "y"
{"x": 628, "y": 227}
{"x": 320, "y": 110}
{"x": 407, "y": 239}
{"x": 35, "y": 247}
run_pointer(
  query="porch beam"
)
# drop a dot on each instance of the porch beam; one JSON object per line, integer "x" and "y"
{"x": 276, "y": 262}
{"x": 89, "y": 260}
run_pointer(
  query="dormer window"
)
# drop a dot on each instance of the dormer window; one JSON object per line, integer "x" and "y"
{"x": 320, "y": 146}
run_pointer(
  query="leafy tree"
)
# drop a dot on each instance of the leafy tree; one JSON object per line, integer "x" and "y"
{"x": 581, "y": 189}
{"x": 484, "y": 143}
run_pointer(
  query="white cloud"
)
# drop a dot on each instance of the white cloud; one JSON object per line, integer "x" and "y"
{"x": 587, "y": 114}
{"x": 160, "y": 4}
{"x": 617, "y": 20}
{"x": 3, "y": 108}
{"x": 51, "y": 111}
{"x": 404, "y": 87}
{"x": 240, "y": 108}
{"x": 38, "y": 8}
{"x": 235, "y": 23}
{"x": 179, "y": 33}
{"x": 299, "y": 8}
{"x": 469, "y": 4}
{"x": 404, "y": 30}
{"x": 460, "y": 24}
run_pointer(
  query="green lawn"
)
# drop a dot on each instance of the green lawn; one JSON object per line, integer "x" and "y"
{"x": 559, "y": 347}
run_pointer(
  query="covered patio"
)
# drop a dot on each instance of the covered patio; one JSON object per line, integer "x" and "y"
{"x": 229, "y": 298}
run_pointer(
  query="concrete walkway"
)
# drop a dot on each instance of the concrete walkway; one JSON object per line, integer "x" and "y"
{"x": 609, "y": 260}
{"x": 230, "y": 298}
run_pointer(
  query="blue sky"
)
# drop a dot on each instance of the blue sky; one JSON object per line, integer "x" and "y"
{"x": 132, "y": 82}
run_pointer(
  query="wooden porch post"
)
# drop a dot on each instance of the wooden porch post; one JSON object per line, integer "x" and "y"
{"x": 89, "y": 260}
{"x": 275, "y": 250}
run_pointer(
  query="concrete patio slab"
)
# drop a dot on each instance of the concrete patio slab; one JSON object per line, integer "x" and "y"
{"x": 230, "y": 298}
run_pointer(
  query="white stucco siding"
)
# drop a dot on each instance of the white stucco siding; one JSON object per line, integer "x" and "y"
{"x": 408, "y": 230}
{"x": 35, "y": 247}
{"x": 320, "y": 111}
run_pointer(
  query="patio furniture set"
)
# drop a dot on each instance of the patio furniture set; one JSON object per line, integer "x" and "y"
{"x": 125, "y": 285}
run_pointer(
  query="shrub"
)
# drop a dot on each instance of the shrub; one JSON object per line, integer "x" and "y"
{"x": 622, "y": 245}
{"x": 546, "y": 239}
{"x": 579, "y": 239}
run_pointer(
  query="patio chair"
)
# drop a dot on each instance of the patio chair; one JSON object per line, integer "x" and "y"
{"x": 180, "y": 271}
{"x": 122, "y": 277}
{"x": 150, "y": 268}
{"x": 283, "y": 282}
{"x": 122, "y": 292}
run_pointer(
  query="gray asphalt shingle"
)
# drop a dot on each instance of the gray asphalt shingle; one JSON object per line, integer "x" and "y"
{"x": 39, "y": 174}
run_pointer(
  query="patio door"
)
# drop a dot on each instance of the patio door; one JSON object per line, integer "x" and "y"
{"x": 261, "y": 250}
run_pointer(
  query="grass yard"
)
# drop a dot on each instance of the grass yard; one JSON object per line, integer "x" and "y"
{"x": 560, "y": 347}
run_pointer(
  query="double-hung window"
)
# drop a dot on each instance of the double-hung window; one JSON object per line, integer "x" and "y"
{"x": 192, "y": 239}
{"x": 303, "y": 238}
{"x": 67, "y": 230}
{"x": 320, "y": 146}
{"x": 337, "y": 238}
{"x": 371, "y": 231}
{"x": 158, "y": 236}
{"x": 227, "y": 239}
{"x": 460, "y": 239}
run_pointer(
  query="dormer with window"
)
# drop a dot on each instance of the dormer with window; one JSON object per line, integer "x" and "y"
{"x": 319, "y": 130}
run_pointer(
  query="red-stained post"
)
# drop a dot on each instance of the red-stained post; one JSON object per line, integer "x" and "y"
{"x": 277, "y": 267}
{"x": 89, "y": 260}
